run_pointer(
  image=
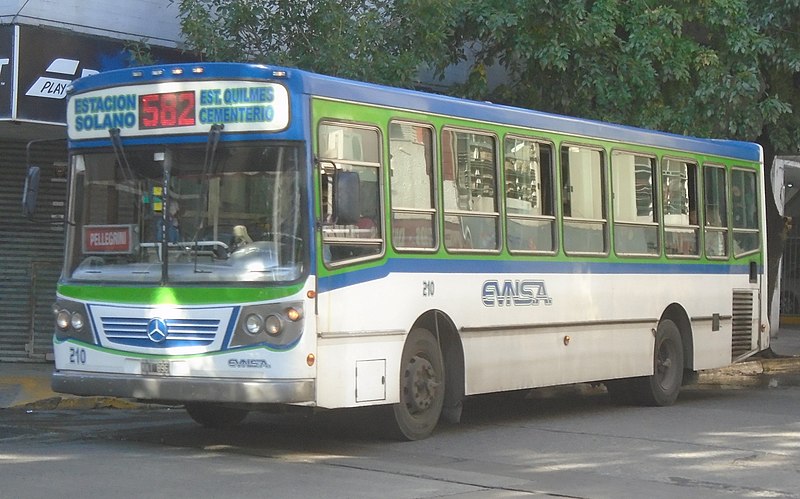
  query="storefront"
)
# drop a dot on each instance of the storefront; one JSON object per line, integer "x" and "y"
{"x": 36, "y": 66}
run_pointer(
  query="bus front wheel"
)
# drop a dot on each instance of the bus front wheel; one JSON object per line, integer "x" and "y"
{"x": 663, "y": 386}
{"x": 215, "y": 416}
{"x": 421, "y": 386}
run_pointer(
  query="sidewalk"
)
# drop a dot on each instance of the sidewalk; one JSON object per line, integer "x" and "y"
{"x": 28, "y": 384}
{"x": 781, "y": 368}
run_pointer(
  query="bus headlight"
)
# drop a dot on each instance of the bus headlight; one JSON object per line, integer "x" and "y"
{"x": 253, "y": 324}
{"x": 76, "y": 321}
{"x": 71, "y": 321}
{"x": 277, "y": 325}
{"x": 273, "y": 325}
{"x": 63, "y": 319}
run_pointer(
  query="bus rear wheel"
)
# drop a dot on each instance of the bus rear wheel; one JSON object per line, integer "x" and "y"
{"x": 421, "y": 386}
{"x": 663, "y": 386}
{"x": 215, "y": 416}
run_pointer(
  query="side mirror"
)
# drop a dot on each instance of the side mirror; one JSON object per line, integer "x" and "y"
{"x": 346, "y": 198}
{"x": 31, "y": 191}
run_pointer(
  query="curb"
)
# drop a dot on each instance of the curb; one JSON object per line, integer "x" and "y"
{"x": 772, "y": 372}
{"x": 80, "y": 403}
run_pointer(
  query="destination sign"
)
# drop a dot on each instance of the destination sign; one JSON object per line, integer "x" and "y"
{"x": 179, "y": 108}
{"x": 115, "y": 239}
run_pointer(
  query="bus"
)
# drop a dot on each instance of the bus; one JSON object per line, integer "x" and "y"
{"x": 243, "y": 237}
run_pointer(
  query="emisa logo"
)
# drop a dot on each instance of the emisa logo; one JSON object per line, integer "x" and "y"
{"x": 52, "y": 87}
{"x": 249, "y": 363}
{"x": 518, "y": 292}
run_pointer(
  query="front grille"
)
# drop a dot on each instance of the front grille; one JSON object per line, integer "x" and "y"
{"x": 742, "y": 337}
{"x": 132, "y": 331}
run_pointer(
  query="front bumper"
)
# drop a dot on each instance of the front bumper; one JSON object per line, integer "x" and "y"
{"x": 184, "y": 389}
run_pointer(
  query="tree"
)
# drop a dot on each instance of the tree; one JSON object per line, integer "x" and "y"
{"x": 382, "y": 41}
{"x": 681, "y": 66}
{"x": 713, "y": 68}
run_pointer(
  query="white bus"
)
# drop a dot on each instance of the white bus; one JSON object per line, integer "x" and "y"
{"x": 241, "y": 236}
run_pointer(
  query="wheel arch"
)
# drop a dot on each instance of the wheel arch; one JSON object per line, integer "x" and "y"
{"x": 677, "y": 314}
{"x": 446, "y": 333}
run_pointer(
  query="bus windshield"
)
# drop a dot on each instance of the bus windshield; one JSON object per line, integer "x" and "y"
{"x": 227, "y": 216}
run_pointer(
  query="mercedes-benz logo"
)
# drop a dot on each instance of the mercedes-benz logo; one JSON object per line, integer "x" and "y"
{"x": 157, "y": 330}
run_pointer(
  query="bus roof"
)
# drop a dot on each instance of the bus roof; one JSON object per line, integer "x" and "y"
{"x": 368, "y": 93}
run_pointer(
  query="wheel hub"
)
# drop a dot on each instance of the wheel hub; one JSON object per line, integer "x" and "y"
{"x": 422, "y": 384}
{"x": 664, "y": 365}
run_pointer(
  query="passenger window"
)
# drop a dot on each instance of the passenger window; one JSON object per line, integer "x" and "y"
{"x": 679, "y": 199}
{"x": 635, "y": 217}
{"x": 744, "y": 204}
{"x": 412, "y": 182}
{"x": 530, "y": 200}
{"x": 349, "y": 159}
{"x": 582, "y": 178}
{"x": 469, "y": 163}
{"x": 716, "y": 211}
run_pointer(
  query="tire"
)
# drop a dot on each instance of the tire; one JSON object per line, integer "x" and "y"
{"x": 422, "y": 387}
{"x": 215, "y": 416}
{"x": 664, "y": 385}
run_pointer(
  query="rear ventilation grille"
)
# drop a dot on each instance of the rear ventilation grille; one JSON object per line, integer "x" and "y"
{"x": 742, "y": 337}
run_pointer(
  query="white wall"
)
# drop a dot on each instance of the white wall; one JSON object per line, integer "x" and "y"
{"x": 154, "y": 20}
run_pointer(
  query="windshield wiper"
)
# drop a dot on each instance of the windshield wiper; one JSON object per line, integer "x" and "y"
{"x": 119, "y": 152}
{"x": 214, "y": 134}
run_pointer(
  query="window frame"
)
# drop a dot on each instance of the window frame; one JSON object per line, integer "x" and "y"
{"x": 724, "y": 229}
{"x": 320, "y": 169}
{"x": 758, "y": 203}
{"x": 697, "y": 226}
{"x": 604, "y": 191}
{"x": 435, "y": 181}
{"x": 445, "y": 212}
{"x": 654, "y": 197}
{"x": 553, "y": 219}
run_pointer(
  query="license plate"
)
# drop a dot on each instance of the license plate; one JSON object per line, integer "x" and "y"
{"x": 155, "y": 367}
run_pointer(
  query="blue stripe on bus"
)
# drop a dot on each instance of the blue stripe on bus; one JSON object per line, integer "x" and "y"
{"x": 234, "y": 319}
{"x": 430, "y": 266}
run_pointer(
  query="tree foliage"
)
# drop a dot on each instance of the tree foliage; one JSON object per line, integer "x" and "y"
{"x": 382, "y": 41}
{"x": 715, "y": 68}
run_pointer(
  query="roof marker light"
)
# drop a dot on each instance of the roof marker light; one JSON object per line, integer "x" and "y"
{"x": 177, "y": 71}
{"x": 138, "y": 74}
{"x": 279, "y": 74}
{"x": 197, "y": 70}
{"x": 157, "y": 72}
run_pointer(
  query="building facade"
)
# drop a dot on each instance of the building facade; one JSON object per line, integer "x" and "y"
{"x": 45, "y": 45}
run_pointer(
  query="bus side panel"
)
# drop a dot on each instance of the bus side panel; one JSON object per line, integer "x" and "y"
{"x": 365, "y": 325}
{"x": 366, "y": 374}
{"x": 712, "y": 349}
{"x": 594, "y": 327}
{"x": 520, "y": 330}
{"x": 553, "y": 356}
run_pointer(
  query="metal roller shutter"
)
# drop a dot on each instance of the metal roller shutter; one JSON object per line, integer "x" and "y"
{"x": 30, "y": 252}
